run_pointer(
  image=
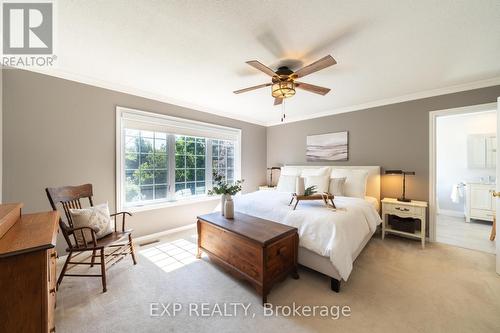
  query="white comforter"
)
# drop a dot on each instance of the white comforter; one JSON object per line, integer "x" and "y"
{"x": 334, "y": 234}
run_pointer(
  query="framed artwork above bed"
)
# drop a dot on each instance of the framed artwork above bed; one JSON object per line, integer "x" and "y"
{"x": 328, "y": 147}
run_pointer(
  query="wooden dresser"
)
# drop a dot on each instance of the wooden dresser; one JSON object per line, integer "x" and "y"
{"x": 27, "y": 270}
{"x": 257, "y": 250}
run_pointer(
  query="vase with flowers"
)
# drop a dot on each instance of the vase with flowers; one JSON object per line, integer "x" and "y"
{"x": 226, "y": 190}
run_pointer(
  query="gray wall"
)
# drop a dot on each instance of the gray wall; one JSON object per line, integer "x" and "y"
{"x": 393, "y": 136}
{"x": 59, "y": 132}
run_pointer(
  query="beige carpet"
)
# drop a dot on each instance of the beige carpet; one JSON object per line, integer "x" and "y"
{"x": 394, "y": 287}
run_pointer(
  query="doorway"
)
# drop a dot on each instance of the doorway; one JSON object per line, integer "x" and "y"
{"x": 463, "y": 176}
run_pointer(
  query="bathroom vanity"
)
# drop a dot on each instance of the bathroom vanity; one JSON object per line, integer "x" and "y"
{"x": 479, "y": 201}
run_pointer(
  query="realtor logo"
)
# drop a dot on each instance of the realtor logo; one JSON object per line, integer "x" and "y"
{"x": 27, "y": 28}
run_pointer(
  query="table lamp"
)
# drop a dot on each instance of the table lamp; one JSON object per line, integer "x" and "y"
{"x": 271, "y": 176}
{"x": 404, "y": 173}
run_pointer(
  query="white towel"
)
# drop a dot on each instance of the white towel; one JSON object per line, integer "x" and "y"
{"x": 457, "y": 192}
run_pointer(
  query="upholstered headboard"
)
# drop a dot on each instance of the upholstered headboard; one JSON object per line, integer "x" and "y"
{"x": 372, "y": 183}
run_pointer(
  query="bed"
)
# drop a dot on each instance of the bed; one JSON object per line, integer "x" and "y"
{"x": 330, "y": 240}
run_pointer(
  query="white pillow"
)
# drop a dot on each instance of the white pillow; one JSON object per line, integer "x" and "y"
{"x": 290, "y": 171}
{"x": 96, "y": 217}
{"x": 287, "y": 183}
{"x": 337, "y": 186}
{"x": 355, "y": 183}
{"x": 315, "y": 172}
{"x": 321, "y": 182}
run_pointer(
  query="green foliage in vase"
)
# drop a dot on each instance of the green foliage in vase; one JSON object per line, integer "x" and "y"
{"x": 223, "y": 187}
{"x": 310, "y": 190}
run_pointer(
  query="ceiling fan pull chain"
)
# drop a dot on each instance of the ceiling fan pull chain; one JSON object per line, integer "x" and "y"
{"x": 283, "y": 110}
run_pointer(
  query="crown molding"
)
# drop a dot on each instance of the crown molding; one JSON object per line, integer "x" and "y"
{"x": 394, "y": 100}
{"x": 161, "y": 98}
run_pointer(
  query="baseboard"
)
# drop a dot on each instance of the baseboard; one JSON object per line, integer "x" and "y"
{"x": 156, "y": 235}
{"x": 453, "y": 213}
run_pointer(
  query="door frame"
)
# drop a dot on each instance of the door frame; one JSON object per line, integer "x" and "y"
{"x": 433, "y": 115}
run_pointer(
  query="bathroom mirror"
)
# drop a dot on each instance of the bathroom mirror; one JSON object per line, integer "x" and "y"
{"x": 481, "y": 151}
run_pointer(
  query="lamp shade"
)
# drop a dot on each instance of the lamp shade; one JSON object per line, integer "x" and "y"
{"x": 393, "y": 172}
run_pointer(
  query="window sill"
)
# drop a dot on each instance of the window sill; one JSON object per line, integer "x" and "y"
{"x": 168, "y": 204}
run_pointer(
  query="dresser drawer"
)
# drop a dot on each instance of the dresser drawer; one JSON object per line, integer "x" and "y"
{"x": 400, "y": 209}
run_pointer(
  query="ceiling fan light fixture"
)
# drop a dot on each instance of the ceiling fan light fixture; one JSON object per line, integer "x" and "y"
{"x": 283, "y": 89}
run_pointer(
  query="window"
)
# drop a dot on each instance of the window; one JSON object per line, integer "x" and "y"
{"x": 163, "y": 159}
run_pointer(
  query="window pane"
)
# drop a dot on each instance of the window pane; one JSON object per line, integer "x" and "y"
{"x": 191, "y": 187}
{"x": 160, "y": 146}
{"x": 147, "y": 134}
{"x": 180, "y": 162}
{"x": 200, "y": 147}
{"x": 222, "y": 163}
{"x": 131, "y": 132}
{"x": 190, "y": 161}
{"x": 132, "y": 177}
{"x": 200, "y": 161}
{"x": 160, "y": 161}
{"x": 131, "y": 144}
{"x": 147, "y": 192}
{"x": 146, "y": 145}
{"x": 147, "y": 177}
{"x": 180, "y": 186}
{"x": 161, "y": 176}
{"x": 160, "y": 191}
{"x": 190, "y": 150}
{"x": 190, "y": 175}
{"x": 230, "y": 150}
{"x": 200, "y": 174}
{"x": 132, "y": 193}
{"x": 146, "y": 161}
{"x": 180, "y": 146}
{"x": 215, "y": 149}
{"x": 131, "y": 161}
{"x": 230, "y": 162}
{"x": 230, "y": 173}
{"x": 200, "y": 187}
{"x": 180, "y": 175}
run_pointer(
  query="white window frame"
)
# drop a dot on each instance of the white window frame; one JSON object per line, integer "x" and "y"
{"x": 172, "y": 126}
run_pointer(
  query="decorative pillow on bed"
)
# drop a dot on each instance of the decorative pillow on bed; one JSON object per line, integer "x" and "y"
{"x": 96, "y": 217}
{"x": 355, "y": 183}
{"x": 337, "y": 186}
{"x": 321, "y": 182}
{"x": 287, "y": 183}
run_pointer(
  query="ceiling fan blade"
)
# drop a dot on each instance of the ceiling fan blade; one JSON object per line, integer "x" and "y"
{"x": 312, "y": 88}
{"x": 252, "y": 88}
{"x": 278, "y": 101}
{"x": 261, "y": 67}
{"x": 316, "y": 66}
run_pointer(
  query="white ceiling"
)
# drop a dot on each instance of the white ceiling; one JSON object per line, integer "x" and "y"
{"x": 193, "y": 53}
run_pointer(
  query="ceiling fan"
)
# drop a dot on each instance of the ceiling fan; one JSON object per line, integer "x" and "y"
{"x": 283, "y": 81}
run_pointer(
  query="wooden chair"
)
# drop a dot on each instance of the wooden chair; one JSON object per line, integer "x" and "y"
{"x": 118, "y": 243}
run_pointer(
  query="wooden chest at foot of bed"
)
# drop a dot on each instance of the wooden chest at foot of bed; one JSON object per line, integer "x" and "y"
{"x": 257, "y": 250}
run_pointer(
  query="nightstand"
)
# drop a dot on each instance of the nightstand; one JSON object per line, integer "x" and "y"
{"x": 266, "y": 188}
{"x": 413, "y": 209}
